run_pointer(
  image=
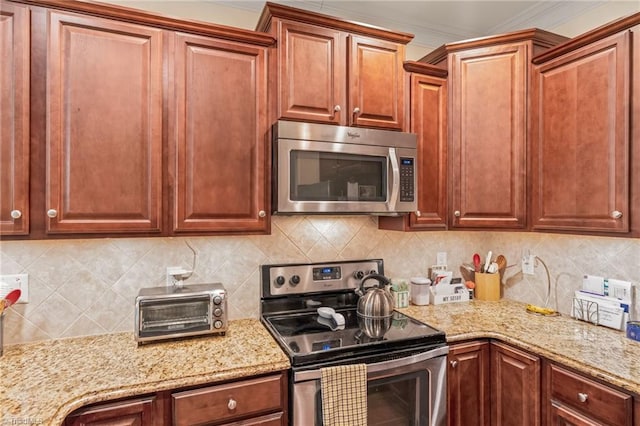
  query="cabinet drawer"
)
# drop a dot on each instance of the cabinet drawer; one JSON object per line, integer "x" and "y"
{"x": 591, "y": 398}
{"x": 227, "y": 402}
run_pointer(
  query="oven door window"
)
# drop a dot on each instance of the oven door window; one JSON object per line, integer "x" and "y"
{"x": 401, "y": 400}
{"x": 335, "y": 176}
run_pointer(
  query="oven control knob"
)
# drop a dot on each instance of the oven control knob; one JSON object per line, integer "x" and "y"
{"x": 358, "y": 275}
{"x": 217, "y": 312}
{"x": 217, "y": 324}
{"x": 279, "y": 280}
{"x": 217, "y": 300}
{"x": 295, "y": 280}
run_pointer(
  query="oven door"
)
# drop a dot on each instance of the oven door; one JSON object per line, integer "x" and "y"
{"x": 334, "y": 177}
{"x": 403, "y": 391}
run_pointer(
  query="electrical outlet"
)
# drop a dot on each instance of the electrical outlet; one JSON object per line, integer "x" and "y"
{"x": 441, "y": 258}
{"x": 175, "y": 274}
{"x": 528, "y": 264}
{"x": 11, "y": 282}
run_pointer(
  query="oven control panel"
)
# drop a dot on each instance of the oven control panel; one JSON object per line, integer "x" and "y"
{"x": 289, "y": 279}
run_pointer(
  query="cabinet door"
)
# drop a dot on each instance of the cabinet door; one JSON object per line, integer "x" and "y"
{"x": 218, "y": 138}
{"x": 14, "y": 120}
{"x": 488, "y": 90}
{"x": 104, "y": 130}
{"x": 312, "y": 73}
{"x": 376, "y": 83}
{"x": 580, "y": 139}
{"x": 468, "y": 384}
{"x": 136, "y": 412}
{"x": 515, "y": 387}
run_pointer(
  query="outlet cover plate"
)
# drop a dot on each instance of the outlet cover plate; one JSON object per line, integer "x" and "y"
{"x": 528, "y": 265}
{"x": 10, "y": 282}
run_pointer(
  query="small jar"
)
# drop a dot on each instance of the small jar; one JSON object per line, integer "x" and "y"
{"x": 420, "y": 287}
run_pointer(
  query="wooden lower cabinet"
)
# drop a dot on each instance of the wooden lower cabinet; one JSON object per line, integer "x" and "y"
{"x": 130, "y": 412}
{"x": 468, "y": 402}
{"x": 515, "y": 387}
{"x": 570, "y": 398}
{"x": 261, "y": 400}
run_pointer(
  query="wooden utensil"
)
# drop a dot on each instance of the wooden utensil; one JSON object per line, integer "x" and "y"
{"x": 502, "y": 265}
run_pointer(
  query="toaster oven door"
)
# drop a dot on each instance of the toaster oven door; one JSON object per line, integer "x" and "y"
{"x": 174, "y": 317}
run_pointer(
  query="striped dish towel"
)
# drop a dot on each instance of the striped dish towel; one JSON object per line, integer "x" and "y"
{"x": 344, "y": 395}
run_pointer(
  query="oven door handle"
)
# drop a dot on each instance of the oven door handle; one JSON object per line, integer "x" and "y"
{"x": 380, "y": 366}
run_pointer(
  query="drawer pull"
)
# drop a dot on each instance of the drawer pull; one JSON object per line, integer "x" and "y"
{"x": 582, "y": 397}
{"x": 232, "y": 404}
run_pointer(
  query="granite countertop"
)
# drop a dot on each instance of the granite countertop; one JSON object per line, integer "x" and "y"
{"x": 45, "y": 381}
{"x": 594, "y": 350}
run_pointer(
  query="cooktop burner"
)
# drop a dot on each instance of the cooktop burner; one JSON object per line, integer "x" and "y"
{"x": 308, "y": 338}
{"x": 292, "y": 294}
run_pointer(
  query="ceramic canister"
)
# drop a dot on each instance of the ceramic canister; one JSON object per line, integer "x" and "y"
{"x": 420, "y": 290}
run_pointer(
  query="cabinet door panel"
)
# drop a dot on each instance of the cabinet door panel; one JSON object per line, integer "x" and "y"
{"x": 515, "y": 387}
{"x": 468, "y": 384}
{"x": 312, "y": 66}
{"x": 488, "y": 133}
{"x": 218, "y": 140}
{"x": 580, "y": 144}
{"x": 105, "y": 125}
{"x": 376, "y": 83}
{"x": 136, "y": 412}
{"x": 14, "y": 120}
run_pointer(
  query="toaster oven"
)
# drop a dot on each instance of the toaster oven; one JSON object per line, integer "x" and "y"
{"x": 173, "y": 312}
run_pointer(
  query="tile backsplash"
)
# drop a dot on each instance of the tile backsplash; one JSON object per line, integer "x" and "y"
{"x": 88, "y": 286}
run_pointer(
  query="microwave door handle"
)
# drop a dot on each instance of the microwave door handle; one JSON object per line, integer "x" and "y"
{"x": 395, "y": 179}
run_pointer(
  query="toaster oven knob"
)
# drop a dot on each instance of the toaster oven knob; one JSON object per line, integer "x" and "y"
{"x": 217, "y": 300}
{"x": 279, "y": 280}
{"x": 295, "y": 280}
{"x": 217, "y": 324}
{"x": 217, "y": 312}
{"x": 358, "y": 275}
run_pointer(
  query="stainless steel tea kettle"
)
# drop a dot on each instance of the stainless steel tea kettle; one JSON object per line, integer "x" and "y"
{"x": 377, "y": 301}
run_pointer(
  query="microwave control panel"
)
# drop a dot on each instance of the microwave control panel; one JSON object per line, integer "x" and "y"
{"x": 407, "y": 179}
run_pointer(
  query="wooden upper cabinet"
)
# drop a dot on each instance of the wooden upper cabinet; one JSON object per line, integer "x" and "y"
{"x": 14, "y": 120}
{"x": 488, "y": 131}
{"x": 333, "y": 71}
{"x": 218, "y": 149}
{"x": 104, "y": 129}
{"x": 580, "y": 151}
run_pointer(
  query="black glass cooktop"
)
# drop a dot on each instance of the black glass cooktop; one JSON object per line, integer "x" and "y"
{"x": 308, "y": 338}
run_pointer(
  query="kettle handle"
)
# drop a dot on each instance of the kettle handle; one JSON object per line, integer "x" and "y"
{"x": 382, "y": 281}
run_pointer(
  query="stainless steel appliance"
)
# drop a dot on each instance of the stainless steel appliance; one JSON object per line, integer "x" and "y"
{"x": 406, "y": 359}
{"x": 180, "y": 311}
{"x": 320, "y": 168}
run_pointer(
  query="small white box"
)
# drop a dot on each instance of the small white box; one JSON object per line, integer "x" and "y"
{"x": 448, "y": 294}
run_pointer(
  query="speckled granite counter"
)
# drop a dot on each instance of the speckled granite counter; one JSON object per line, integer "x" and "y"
{"x": 594, "y": 350}
{"x": 43, "y": 382}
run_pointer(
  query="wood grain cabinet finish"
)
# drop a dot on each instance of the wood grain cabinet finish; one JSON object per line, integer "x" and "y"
{"x": 14, "y": 120}
{"x": 515, "y": 387}
{"x": 488, "y": 131}
{"x": 580, "y": 153}
{"x": 427, "y": 88}
{"x": 133, "y": 412}
{"x": 104, "y": 128}
{"x": 468, "y": 384}
{"x": 337, "y": 72}
{"x": 572, "y": 399}
{"x": 217, "y": 144}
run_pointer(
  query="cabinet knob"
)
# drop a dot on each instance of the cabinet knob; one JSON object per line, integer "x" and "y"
{"x": 582, "y": 397}
{"x": 232, "y": 404}
{"x": 616, "y": 214}
{"x": 418, "y": 213}
{"x": 262, "y": 213}
{"x": 337, "y": 108}
{"x": 453, "y": 363}
{"x": 356, "y": 110}
{"x": 456, "y": 213}
{"x": 52, "y": 213}
{"x": 16, "y": 214}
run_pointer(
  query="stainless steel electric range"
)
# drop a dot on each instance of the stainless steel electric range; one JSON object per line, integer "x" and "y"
{"x": 310, "y": 309}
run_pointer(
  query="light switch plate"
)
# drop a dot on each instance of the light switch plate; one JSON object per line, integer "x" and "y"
{"x": 11, "y": 282}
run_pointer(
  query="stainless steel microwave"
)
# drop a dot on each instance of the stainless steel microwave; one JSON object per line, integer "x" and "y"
{"x": 320, "y": 168}
{"x": 172, "y": 312}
